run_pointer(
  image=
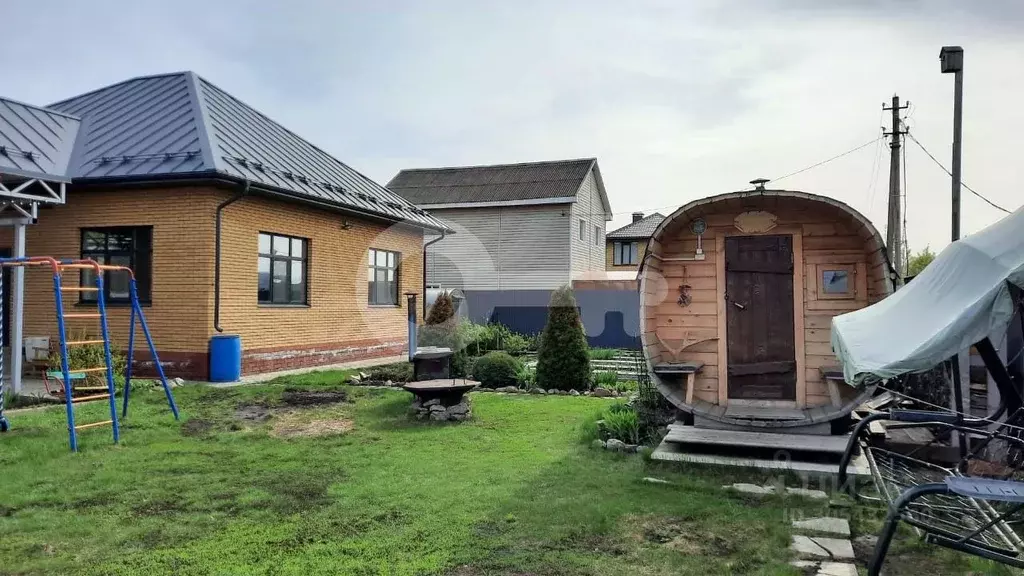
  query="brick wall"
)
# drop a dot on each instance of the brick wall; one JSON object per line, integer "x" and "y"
{"x": 337, "y": 325}
{"x": 609, "y": 257}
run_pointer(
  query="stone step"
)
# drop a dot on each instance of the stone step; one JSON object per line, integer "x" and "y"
{"x": 673, "y": 452}
{"x": 681, "y": 434}
{"x": 825, "y": 525}
{"x": 826, "y": 548}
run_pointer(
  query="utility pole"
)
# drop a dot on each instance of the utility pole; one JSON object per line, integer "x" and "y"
{"x": 893, "y": 238}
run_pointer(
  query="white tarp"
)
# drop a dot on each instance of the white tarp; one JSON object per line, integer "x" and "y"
{"x": 960, "y": 298}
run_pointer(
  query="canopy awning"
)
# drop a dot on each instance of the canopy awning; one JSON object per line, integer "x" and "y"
{"x": 960, "y": 298}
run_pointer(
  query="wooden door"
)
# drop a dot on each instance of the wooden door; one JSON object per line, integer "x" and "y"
{"x": 759, "y": 313}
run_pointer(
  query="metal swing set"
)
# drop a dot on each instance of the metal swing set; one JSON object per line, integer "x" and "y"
{"x": 108, "y": 392}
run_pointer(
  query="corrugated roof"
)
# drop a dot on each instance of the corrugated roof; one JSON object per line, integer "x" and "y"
{"x": 643, "y": 228}
{"x": 497, "y": 183}
{"x": 182, "y": 125}
{"x": 35, "y": 142}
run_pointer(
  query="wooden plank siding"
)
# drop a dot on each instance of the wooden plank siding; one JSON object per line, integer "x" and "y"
{"x": 824, "y": 235}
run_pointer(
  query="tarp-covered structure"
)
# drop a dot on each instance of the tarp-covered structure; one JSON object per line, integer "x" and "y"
{"x": 961, "y": 298}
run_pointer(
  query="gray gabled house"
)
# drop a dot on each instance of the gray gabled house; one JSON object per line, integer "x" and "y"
{"x": 518, "y": 227}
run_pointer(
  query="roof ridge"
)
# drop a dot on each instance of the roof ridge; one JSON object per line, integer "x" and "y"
{"x": 115, "y": 84}
{"x": 510, "y": 165}
{"x": 203, "y": 126}
{"x": 40, "y": 108}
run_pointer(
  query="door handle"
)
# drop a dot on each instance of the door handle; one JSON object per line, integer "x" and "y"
{"x": 738, "y": 305}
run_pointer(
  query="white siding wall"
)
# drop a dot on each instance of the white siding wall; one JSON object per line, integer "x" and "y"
{"x": 588, "y": 254}
{"x": 515, "y": 247}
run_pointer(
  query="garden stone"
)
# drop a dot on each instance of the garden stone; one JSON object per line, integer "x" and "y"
{"x": 750, "y": 488}
{"x": 829, "y": 525}
{"x": 460, "y": 408}
{"x": 440, "y": 416}
{"x": 437, "y": 408}
{"x": 805, "y": 547}
{"x": 574, "y": 393}
{"x": 177, "y": 382}
{"x": 838, "y": 548}
{"x": 364, "y": 376}
{"x": 837, "y": 569}
{"x": 602, "y": 392}
{"x": 354, "y": 379}
{"x": 597, "y": 444}
{"x": 389, "y": 383}
{"x": 460, "y": 417}
{"x": 651, "y": 480}
{"x": 614, "y": 444}
{"x": 812, "y": 494}
{"x": 507, "y": 389}
{"x": 631, "y": 448}
{"x": 803, "y": 564}
{"x": 431, "y": 402}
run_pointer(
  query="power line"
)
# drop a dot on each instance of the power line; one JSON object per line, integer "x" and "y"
{"x": 823, "y": 162}
{"x": 962, "y": 183}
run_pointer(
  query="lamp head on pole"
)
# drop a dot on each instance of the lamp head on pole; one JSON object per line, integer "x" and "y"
{"x": 952, "y": 58}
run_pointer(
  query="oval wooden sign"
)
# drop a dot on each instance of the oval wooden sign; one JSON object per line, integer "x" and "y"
{"x": 755, "y": 222}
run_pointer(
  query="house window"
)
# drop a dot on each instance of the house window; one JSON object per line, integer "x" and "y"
{"x": 583, "y": 230}
{"x": 836, "y": 281}
{"x": 597, "y": 235}
{"x": 624, "y": 253}
{"x": 382, "y": 277}
{"x": 282, "y": 269}
{"x": 130, "y": 246}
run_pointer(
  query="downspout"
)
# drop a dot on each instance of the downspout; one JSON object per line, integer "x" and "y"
{"x": 216, "y": 259}
{"x": 425, "y": 246}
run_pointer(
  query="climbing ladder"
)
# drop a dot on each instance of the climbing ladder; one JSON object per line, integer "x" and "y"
{"x": 107, "y": 392}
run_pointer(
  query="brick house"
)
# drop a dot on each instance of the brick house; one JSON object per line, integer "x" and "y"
{"x": 314, "y": 256}
{"x": 625, "y": 247}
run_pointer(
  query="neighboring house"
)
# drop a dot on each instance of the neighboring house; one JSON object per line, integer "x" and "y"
{"x": 522, "y": 230}
{"x": 627, "y": 245}
{"x": 314, "y": 256}
{"x": 527, "y": 226}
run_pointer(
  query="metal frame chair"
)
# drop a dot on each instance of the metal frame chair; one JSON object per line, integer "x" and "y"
{"x": 949, "y": 505}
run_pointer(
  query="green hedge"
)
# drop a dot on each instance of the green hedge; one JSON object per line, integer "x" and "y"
{"x": 497, "y": 369}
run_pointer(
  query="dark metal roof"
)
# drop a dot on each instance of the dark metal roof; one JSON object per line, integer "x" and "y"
{"x": 182, "y": 125}
{"x": 497, "y": 183}
{"x": 643, "y": 228}
{"x": 35, "y": 142}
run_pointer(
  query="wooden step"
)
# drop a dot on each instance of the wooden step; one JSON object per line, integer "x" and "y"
{"x": 672, "y": 452}
{"x": 770, "y": 441}
{"x": 735, "y": 410}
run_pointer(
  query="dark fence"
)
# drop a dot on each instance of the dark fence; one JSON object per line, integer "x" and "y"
{"x": 611, "y": 318}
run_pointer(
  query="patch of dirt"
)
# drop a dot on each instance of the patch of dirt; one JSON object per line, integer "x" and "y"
{"x": 292, "y": 425}
{"x": 681, "y": 535}
{"x": 252, "y": 413}
{"x": 197, "y": 427}
{"x": 293, "y": 397}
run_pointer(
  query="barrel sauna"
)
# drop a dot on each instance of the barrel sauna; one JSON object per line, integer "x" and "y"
{"x": 737, "y": 295}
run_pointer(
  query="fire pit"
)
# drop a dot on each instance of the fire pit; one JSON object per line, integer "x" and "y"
{"x": 441, "y": 400}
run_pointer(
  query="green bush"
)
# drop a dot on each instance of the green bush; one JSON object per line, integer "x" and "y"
{"x": 526, "y": 377}
{"x": 496, "y": 370}
{"x": 602, "y": 353}
{"x": 398, "y": 372}
{"x": 90, "y": 356}
{"x": 516, "y": 344}
{"x": 562, "y": 361}
{"x": 608, "y": 380}
{"x": 623, "y": 425}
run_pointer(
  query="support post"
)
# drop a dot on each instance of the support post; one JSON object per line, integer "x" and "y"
{"x": 411, "y": 299}
{"x": 17, "y": 309}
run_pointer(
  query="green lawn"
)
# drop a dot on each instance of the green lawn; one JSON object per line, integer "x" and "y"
{"x": 515, "y": 491}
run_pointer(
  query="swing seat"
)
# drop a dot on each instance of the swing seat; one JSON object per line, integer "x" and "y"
{"x": 56, "y": 377}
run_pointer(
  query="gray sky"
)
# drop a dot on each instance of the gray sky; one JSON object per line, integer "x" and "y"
{"x": 677, "y": 100}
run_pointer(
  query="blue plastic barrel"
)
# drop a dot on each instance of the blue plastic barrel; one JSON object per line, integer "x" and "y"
{"x": 225, "y": 358}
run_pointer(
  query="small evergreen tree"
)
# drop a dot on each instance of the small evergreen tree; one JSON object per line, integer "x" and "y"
{"x": 442, "y": 311}
{"x": 562, "y": 360}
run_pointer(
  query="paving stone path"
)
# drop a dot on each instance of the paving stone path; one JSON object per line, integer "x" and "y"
{"x": 821, "y": 549}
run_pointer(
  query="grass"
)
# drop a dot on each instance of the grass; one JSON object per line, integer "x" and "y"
{"x": 603, "y": 353}
{"x": 514, "y": 491}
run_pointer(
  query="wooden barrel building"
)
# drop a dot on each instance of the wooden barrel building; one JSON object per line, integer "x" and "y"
{"x": 737, "y": 295}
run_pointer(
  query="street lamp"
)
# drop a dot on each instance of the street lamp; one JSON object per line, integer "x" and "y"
{"x": 952, "y": 58}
